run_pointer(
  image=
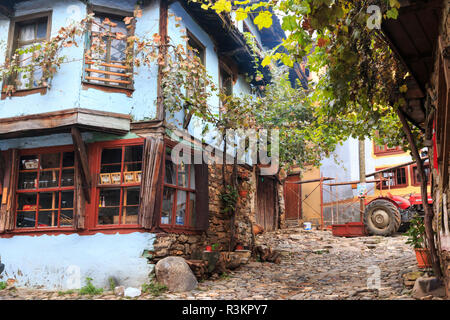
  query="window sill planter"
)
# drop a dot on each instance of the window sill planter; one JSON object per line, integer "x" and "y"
{"x": 423, "y": 258}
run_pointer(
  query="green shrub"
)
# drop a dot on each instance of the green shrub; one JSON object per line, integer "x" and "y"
{"x": 154, "y": 288}
{"x": 112, "y": 284}
{"x": 90, "y": 289}
{"x": 2, "y": 285}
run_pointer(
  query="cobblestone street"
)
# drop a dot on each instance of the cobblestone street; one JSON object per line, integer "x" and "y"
{"x": 315, "y": 265}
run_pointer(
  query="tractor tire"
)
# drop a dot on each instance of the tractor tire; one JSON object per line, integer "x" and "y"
{"x": 382, "y": 218}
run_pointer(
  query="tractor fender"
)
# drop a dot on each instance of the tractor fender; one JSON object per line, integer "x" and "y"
{"x": 399, "y": 202}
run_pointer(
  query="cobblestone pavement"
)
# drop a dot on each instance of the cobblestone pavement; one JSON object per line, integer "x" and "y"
{"x": 315, "y": 265}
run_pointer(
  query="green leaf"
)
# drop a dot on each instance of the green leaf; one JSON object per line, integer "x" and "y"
{"x": 392, "y": 13}
{"x": 289, "y": 23}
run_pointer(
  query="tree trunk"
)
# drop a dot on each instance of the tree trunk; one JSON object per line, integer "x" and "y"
{"x": 428, "y": 220}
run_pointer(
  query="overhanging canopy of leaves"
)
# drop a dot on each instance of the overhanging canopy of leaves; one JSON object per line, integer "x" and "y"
{"x": 359, "y": 80}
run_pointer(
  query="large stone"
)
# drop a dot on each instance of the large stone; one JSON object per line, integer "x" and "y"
{"x": 132, "y": 292}
{"x": 428, "y": 286}
{"x": 175, "y": 273}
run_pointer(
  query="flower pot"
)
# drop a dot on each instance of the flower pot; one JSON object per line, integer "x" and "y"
{"x": 243, "y": 193}
{"x": 239, "y": 247}
{"x": 423, "y": 258}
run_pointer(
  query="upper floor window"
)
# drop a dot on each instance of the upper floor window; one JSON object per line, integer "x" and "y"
{"x": 45, "y": 189}
{"x": 107, "y": 56}
{"x": 195, "y": 47}
{"x": 226, "y": 79}
{"x": 396, "y": 178}
{"x": 27, "y": 33}
{"x": 385, "y": 150}
{"x": 416, "y": 179}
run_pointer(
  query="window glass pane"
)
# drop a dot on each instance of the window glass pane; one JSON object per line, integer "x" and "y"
{"x": 68, "y": 159}
{"x": 67, "y": 198}
{"x": 27, "y": 201}
{"x": 133, "y": 153}
{"x": 50, "y": 160}
{"x": 48, "y": 219}
{"x": 41, "y": 29}
{"x": 49, "y": 179}
{"x": 181, "y": 208}
{"x": 27, "y": 32}
{"x": 26, "y": 219}
{"x": 183, "y": 175}
{"x": 27, "y": 180}
{"x": 109, "y": 203}
{"x": 67, "y": 178}
{"x": 112, "y": 156}
{"x": 66, "y": 218}
{"x": 192, "y": 216}
{"x": 131, "y": 196}
{"x": 170, "y": 172}
{"x": 108, "y": 215}
{"x": 111, "y": 161}
{"x": 167, "y": 205}
{"x": 48, "y": 200}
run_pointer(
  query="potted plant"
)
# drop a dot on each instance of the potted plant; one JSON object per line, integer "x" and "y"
{"x": 416, "y": 238}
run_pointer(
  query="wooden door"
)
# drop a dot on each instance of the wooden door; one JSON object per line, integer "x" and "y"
{"x": 293, "y": 198}
{"x": 266, "y": 203}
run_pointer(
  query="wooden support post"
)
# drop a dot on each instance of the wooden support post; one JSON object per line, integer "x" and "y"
{"x": 83, "y": 162}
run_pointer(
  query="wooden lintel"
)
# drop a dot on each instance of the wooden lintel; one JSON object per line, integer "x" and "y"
{"x": 83, "y": 162}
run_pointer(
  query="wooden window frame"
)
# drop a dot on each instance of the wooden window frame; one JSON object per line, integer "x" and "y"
{"x": 98, "y": 147}
{"x": 384, "y": 150}
{"x": 197, "y": 45}
{"x": 173, "y": 227}
{"x": 224, "y": 67}
{"x": 59, "y": 189}
{"x": 414, "y": 181}
{"x": 12, "y": 46}
{"x": 406, "y": 184}
{"x": 107, "y": 87}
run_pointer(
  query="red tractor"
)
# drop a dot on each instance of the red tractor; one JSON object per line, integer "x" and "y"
{"x": 385, "y": 215}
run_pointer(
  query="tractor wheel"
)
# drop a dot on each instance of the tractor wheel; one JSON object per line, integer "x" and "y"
{"x": 382, "y": 218}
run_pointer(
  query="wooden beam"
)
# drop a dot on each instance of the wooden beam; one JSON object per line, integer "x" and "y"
{"x": 83, "y": 162}
{"x": 6, "y": 11}
{"x": 163, "y": 20}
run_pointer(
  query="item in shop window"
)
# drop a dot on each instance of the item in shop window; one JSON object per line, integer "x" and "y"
{"x": 105, "y": 178}
{"x": 28, "y": 207}
{"x": 129, "y": 177}
{"x": 31, "y": 164}
{"x": 115, "y": 177}
{"x": 138, "y": 176}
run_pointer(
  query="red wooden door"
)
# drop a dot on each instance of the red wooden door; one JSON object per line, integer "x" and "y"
{"x": 293, "y": 198}
{"x": 266, "y": 211}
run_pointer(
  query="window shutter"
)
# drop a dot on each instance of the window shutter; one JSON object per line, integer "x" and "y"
{"x": 151, "y": 185}
{"x": 8, "y": 199}
{"x": 202, "y": 196}
{"x": 80, "y": 202}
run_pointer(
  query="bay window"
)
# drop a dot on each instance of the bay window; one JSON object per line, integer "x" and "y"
{"x": 119, "y": 183}
{"x": 45, "y": 190}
